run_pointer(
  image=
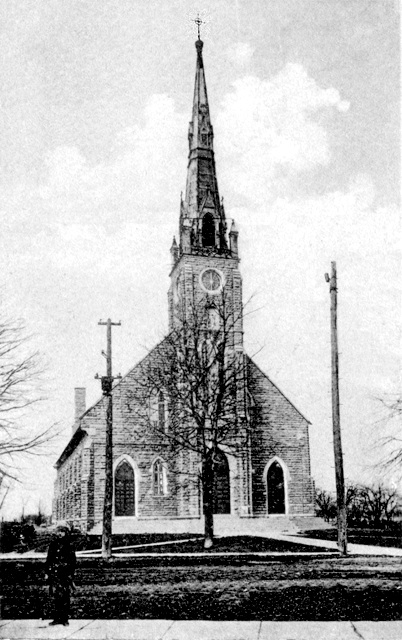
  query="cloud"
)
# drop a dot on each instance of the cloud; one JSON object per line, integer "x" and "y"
{"x": 268, "y": 131}
{"x": 241, "y": 53}
{"x": 143, "y": 172}
{"x": 285, "y": 250}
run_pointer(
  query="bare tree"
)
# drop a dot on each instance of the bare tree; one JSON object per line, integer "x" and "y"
{"x": 380, "y": 504}
{"x": 391, "y": 442}
{"x": 373, "y": 505}
{"x": 19, "y": 371}
{"x": 325, "y": 505}
{"x": 200, "y": 369}
{"x": 355, "y": 504}
{"x": 5, "y": 487}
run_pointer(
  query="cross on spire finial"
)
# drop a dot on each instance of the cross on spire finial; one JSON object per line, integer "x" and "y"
{"x": 198, "y": 22}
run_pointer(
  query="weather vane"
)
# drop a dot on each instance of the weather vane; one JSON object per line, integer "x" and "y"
{"x": 198, "y": 22}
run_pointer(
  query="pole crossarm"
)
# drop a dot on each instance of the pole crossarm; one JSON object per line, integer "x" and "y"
{"x": 113, "y": 324}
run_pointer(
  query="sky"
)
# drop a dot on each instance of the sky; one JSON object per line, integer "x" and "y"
{"x": 305, "y": 100}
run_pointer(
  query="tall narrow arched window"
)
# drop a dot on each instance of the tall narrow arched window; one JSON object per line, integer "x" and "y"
{"x": 124, "y": 490}
{"x": 159, "y": 479}
{"x": 221, "y": 500}
{"x": 204, "y": 353}
{"x": 208, "y": 231}
{"x": 161, "y": 410}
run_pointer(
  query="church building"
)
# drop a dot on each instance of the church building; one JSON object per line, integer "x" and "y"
{"x": 272, "y": 475}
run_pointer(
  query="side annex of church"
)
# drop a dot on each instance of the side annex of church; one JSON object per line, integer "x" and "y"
{"x": 272, "y": 475}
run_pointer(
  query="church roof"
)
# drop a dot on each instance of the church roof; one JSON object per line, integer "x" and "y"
{"x": 77, "y": 437}
{"x": 251, "y": 361}
{"x": 80, "y": 433}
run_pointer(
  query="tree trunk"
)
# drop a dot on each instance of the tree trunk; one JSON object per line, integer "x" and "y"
{"x": 207, "y": 500}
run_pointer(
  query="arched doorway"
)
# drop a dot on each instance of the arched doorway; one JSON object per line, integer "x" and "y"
{"x": 221, "y": 483}
{"x": 124, "y": 490}
{"x": 276, "y": 489}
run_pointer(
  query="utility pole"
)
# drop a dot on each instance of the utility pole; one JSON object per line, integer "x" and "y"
{"x": 336, "y": 422}
{"x": 107, "y": 383}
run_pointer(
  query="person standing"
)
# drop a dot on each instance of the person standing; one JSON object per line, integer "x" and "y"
{"x": 60, "y": 568}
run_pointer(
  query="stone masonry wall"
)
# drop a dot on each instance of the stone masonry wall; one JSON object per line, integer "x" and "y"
{"x": 69, "y": 488}
{"x": 190, "y": 268}
{"x": 279, "y": 430}
{"x": 133, "y": 442}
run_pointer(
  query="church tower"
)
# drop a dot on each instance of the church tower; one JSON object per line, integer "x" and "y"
{"x": 205, "y": 263}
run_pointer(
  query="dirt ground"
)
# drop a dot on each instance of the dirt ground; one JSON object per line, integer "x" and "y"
{"x": 289, "y": 588}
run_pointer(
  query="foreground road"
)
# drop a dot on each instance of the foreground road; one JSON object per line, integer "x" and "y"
{"x": 276, "y": 589}
{"x": 200, "y": 630}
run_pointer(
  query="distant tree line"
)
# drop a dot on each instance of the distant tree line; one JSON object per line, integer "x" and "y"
{"x": 20, "y": 534}
{"x": 374, "y": 506}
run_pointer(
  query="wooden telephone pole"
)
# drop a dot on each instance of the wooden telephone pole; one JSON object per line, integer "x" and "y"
{"x": 336, "y": 422}
{"x": 107, "y": 383}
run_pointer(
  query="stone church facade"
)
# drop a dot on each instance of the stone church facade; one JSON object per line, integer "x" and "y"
{"x": 272, "y": 476}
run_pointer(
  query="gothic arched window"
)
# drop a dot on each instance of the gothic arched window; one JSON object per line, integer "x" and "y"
{"x": 158, "y": 410}
{"x": 221, "y": 499}
{"x": 161, "y": 410}
{"x": 159, "y": 479}
{"x": 208, "y": 230}
{"x": 124, "y": 490}
{"x": 204, "y": 353}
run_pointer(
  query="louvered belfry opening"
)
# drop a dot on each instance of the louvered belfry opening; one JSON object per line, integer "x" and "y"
{"x": 124, "y": 490}
{"x": 208, "y": 231}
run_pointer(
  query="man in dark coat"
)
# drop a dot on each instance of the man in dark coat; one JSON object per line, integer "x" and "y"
{"x": 60, "y": 567}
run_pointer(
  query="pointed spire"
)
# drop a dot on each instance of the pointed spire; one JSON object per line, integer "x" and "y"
{"x": 201, "y": 208}
{"x": 233, "y": 239}
{"x": 201, "y": 121}
{"x": 174, "y": 251}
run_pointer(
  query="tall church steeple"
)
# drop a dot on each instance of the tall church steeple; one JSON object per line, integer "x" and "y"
{"x": 202, "y": 216}
{"x": 205, "y": 260}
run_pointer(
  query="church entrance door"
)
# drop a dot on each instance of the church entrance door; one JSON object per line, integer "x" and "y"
{"x": 221, "y": 484}
{"x": 124, "y": 494}
{"x": 276, "y": 489}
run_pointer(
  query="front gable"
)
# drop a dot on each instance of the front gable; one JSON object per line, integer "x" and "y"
{"x": 265, "y": 392}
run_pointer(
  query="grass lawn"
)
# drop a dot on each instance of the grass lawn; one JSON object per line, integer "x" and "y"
{"x": 286, "y": 588}
{"x": 374, "y": 537}
{"x": 231, "y": 544}
{"x": 184, "y": 543}
{"x": 84, "y": 542}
